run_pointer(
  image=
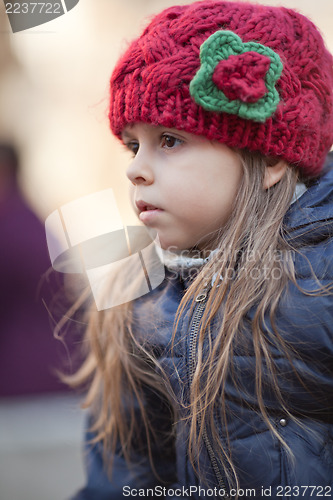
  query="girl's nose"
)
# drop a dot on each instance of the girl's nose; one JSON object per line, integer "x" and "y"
{"x": 140, "y": 170}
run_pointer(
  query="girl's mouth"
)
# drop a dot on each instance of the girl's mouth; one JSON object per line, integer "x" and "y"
{"x": 147, "y": 212}
{"x": 144, "y": 207}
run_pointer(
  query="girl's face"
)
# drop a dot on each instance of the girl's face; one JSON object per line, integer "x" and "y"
{"x": 183, "y": 185}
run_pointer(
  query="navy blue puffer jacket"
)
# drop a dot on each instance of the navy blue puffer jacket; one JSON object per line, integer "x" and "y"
{"x": 263, "y": 467}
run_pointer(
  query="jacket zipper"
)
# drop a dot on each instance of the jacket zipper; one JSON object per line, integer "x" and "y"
{"x": 201, "y": 300}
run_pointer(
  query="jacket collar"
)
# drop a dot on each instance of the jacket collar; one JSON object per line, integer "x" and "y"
{"x": 311, "y": 216}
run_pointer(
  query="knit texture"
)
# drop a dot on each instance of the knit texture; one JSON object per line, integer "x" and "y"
{"x": 266, "y": 85}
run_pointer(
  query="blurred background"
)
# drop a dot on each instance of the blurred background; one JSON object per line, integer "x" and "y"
{"x": 53, "y": 114}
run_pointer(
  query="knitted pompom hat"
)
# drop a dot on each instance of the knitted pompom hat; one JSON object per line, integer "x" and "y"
{"x": 247, "y": 75}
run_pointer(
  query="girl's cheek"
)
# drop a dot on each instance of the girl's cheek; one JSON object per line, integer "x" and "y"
{"x": 131, "y": 195}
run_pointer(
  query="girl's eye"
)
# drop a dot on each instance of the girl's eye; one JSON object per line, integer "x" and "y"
{"x": 169, "y": 141}
{"x": 132, "y": 146}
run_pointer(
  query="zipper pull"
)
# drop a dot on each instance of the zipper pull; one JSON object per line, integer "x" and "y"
{"x": 201, "y": 297}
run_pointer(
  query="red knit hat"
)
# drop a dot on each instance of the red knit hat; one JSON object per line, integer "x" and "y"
{"x": 247, "y": 75}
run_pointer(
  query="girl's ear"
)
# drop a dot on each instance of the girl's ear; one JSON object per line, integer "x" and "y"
{"x": 274, "y": 174}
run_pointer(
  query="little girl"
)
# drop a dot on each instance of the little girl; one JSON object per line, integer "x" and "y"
{"x": 219, "y": 382}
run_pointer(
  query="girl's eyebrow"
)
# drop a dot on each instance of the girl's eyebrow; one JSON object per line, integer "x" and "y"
{"x": 125, "y": 134}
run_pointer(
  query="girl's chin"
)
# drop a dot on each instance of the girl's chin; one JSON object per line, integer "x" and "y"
{"x": 170, "y": 242}
{"x": 171, "y": 245}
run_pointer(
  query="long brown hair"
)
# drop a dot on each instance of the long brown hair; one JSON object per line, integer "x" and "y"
{"x": 118, "y": 363}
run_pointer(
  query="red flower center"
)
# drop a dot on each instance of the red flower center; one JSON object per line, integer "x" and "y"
{"x": 242, "y": 76}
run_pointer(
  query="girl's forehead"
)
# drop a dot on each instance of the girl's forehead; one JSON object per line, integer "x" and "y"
{"x": 149, "y": 129}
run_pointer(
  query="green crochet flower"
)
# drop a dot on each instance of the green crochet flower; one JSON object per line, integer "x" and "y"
{"x": 237, "y": 78}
